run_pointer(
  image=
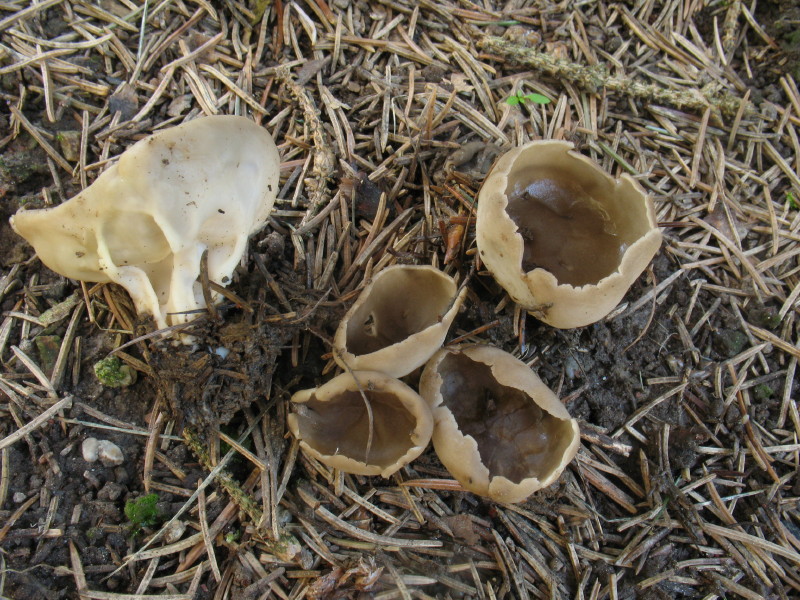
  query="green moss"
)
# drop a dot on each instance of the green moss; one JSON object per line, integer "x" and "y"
{"x": 233, "y": 536}
{"x": 765, "y": 317}
{"x": 729, "y": 342}
{"x": 259, "y": 7}
{"x": 112, "y": 372}
{"x": 22, "y": 161}
{"x": 763, "y": 392}
{"x": 792, "y": 38}
{"x": 142, "y": 512}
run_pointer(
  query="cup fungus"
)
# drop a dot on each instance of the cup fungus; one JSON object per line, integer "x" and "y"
{"x": 147, "y": 220}
{"x": 562, "y": 237}
{"x": 399, "y": 320}
{"x": 365, "y": 423}
{"x": 498, "y": 429}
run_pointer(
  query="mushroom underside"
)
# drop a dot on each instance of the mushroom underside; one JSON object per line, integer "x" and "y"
{"x": 405, "y": 303}
{"x": 516, "y": 439}
{"x": 342, "y": 427}
{"x": 564, "y": 228}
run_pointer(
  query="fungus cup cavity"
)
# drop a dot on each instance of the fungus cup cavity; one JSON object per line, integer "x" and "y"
{"x": 562, "y": 237}
{"x": 498, "y": 429}
{"x": 399, "y": 320}
{"x": 365, "y": 423}
{"x": 204, "y": 185}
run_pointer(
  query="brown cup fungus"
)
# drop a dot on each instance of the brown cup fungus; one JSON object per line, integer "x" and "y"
{"x": 365, "y": 423}
{"x": 499, "y": 430}
{"x": 398, "y": 321}
{"x": 562, "y": 237}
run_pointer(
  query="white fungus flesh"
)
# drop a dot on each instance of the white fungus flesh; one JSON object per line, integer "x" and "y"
{"x": 204, "y": 185}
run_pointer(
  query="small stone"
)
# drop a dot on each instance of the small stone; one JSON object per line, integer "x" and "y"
{"x": 90, "y": 449}
{"x": 107, "y": 452}
{"x": 573, "y": 368}
{"x": 121, "y": 475}
{"x": 222, "y": 352}
{"x": 111, "y": 491}
{"x": 70, "y": 143}
{"x": 93, "y": 480}
{"x": 730, "y": 342}
{"x": 124, "y": 101}
{"x": 19, "y": 497}
{"x": 174, "y": 531}
{"x": 110, "y": 454}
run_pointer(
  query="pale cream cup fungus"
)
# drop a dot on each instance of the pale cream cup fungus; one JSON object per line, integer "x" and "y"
{"x": 364, "y": 422}
{"x": 204, "y": 185}
{"x": 562, "y": 237}
{"x": 499, "y": 430}
{"x": 399, "y": 320}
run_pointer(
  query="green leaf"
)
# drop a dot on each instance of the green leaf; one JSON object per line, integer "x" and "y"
{"x": 537, "y": 98}
{"x": 513, "y": 100}
{"x": 792, "y": 200}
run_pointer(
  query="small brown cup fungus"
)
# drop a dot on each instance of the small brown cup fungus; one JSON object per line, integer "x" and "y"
{"x": 365, "y": 423}
{"x": 398, "y": 321}
{"x": 562, "y": 237}
{"x": 498, "y": 429}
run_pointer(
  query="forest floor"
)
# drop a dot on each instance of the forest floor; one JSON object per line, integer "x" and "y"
{"x": 687, "y": 482}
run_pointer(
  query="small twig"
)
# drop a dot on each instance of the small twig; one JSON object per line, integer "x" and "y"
{"x": 650, "y": 318}
{"x": 245, "y": 501}
{"x": 35, "y": 423}
{"x": 159, "y": 333}
{"x": 595, "y": 77}
{"x": 142, "y": 28}
{"x": 205, "y": 285}
{"x": 763, "y": 458}
{"x": 370, "y": 417}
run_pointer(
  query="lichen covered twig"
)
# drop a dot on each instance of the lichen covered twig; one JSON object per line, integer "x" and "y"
{"x": 593, "y": 78}
{"x": 324, "y": 160}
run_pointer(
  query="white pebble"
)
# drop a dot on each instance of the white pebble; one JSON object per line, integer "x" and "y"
{"x": 20, "y": 497}
{"x": 222, "y": 352}
{"x": 111, "y": 454}
{"x": 107, "y": 452}
{"x": 90, "y": 449}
